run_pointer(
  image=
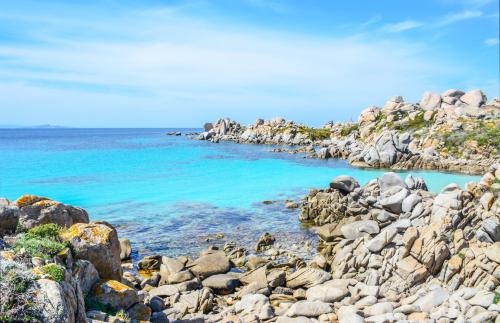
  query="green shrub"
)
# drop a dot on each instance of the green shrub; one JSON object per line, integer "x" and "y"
{"x": 41, "y": 241}
{"x": 55, "y": 272}
{"x": 496, "y": 300}
{"x": 486, "y": 135}
{"x": 315, "y": 133}
{"x": 348, "y": 129}
{"x": 93, "y": 305}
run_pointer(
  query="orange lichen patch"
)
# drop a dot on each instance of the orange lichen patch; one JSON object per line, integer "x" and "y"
{"x": 109, "y": 286}
{"x": 45, "y": 203}
{"x": 7, "y": 255}
{"x": 27, "y": 199}
{"x": 37, "y": 271}
{"x": 145, "y": 273}
{"x": 97, "y": 233}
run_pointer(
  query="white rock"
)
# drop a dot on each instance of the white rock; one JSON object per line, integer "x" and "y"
{"x": 309, "y": 309}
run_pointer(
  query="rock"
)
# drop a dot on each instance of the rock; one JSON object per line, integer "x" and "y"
{"x": 349, "y": 314}
{"x": 254, "y": 305}
{"x": 381, "y": 240}
{"x": 482, "y": 298}
{"x": 59, "y": 302}
{"x": 98, "y": 243}
{"x": 139, "y": 312}
{"x": 125, "y": 249}
{"x": 299, "y": 319}
{"x": 493, "y": 252}
{"x": 156, "y": 304}
{"x": 452, "y": 93}
{"x": 265, "y": 241}
{"x": 474, "y": 98}
{"x": 491, "y": 227}
{"x": 389, "y": 180}
{"x": 430, "y": 101}
{"x": 208, "y": 126}
{"x": 291, "y": 205}
{"x": 379, "y": 309}
{"x": 198, "y": 301}
{"x": 86, "y": 275}
{"x": 35, "y": 210}
{"x": 307, "y": 277}
{"x": 221, "y": 283}
{"x": 328, "y": 232}
{"x": 309, "y": 309}
{"x": 9, "y": 217}
{"x": 164, "y": 291}
{"x": 211, "y": 263}
{"x": 411, "y": 270}
{"x": 114, "y": 294}
{"x": 150, "y": 263}
{"x": 410, "y": 201}
{"x": 343, "y": 183}
{"x": 394, "y": 201}
{"x": 433, "y": 298}
{"x": 358, "y": 229}
{"x": 326, "y": 293}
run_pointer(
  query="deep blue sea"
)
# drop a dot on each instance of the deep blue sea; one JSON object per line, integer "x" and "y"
{"x": 167, "y": 193}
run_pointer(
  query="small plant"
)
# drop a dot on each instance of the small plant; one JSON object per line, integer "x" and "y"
{"x": 315, "y": 133}
{"x": 496, "y": 299}
{"x": 348, "y": 129}
{"x": 41, "y": 241}
{"x": 122, "y": 315}
{"x": 55, "y": 272}
{"x": 16, "y": 296}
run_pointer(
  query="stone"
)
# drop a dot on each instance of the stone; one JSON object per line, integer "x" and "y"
{"x": 221, "y": 283}
{"x": 298, "y": 319}
{"x": 309, "y": 309}
{"x": 139, "y": 312}
{"x": 474, "y": 98}
{"x": 358, "y": 229}
{"x": 389, "y": 180}
{"x": 326, "y": 293}
{"x": 381, "y": 240}
{"x": 114, "y": 294}
{"x": 378, "y": 309}
{"x": 410, "y": 201}
{"x": 156, "y": 304}
{"x": 9, "y": 217}
{"x": 482, "y": 298}
{"x": 164, "y": 291}
{"x": 98, "y": 243}
{"x": 430, "y": 101}
{"x": 328, "y": 232}
{"x": 307, "y": 277}
{"x": 265, "y": 241}
{"x": 211, "y": 263}
{"x": 59, "y": 302}
{"x": 411, "y": 270}
{"x": 344, "y": 183}
{"x": 254, "y": 305}
{"x": 493, "y": 252}
{"x": 86, "y": 275}
{"x": 150, "y": 263}
{"x": 198, "y": 301}
{"x": 35, "y": 210}
{"x": 125, "y": 249}
{"x": 452, "y": 93}
{"x": 433, "y": 298}
{"x": 349, "y": 314}
{"x": 394, "y": 201}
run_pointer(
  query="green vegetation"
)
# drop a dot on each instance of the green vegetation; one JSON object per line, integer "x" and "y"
{"x": 496, "y": 300}
{"x": 42, "y": 241}
{"x": 122, "y": 315}
{"x": 55, "y": 272}
{"x": 315, "y": 133}
{"x": 16, "y": 298}
{"x": 486, "y": 135}
{"x": 348, "y": 129}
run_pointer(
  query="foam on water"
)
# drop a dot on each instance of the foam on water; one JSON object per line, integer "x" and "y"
{"x": 167, "y": 193}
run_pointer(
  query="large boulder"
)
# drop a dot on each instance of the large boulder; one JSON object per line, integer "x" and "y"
{"x": 98, "y": 243}
{"x": 60, "y": 302}
{"x": 35, "y": 210}
{"x": 430, "y": 101}
{"x": 252, "y": 305}
{"x": 307, "y": 277}
{"x": 210, "y": 263}
{"x": 344, "y": 183}
{"x": 9, "y": 216}
{"x": 474, "y": 98}
{"x": 114, "y": 294}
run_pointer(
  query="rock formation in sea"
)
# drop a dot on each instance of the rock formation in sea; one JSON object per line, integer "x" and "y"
{"x": 453, "y": 131}
{"x": 389, "y": 251}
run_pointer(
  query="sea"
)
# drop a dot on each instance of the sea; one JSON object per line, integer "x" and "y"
{"x": 173, "y": 195}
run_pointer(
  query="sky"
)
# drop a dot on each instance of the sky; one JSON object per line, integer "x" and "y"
{"x": 180, "y": 63}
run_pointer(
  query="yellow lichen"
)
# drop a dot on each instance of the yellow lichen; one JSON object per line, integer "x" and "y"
{"x": 27, "y": 199}
{"x": 45, "y": 203}
{"x": 7, "y": 255}
{"x": 88, "y": 232}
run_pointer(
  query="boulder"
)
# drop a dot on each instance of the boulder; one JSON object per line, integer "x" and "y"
{"x": 430, "y": 101}
{"x": 307, "y": 277}
{"x": 211, "y": 263}
{"x": 309, "y": 309}
{"x": 86, "y": 275}
{"x": 98, "y": 243}
{"x": 474, "y": 98}
{"x": 326, "y": 293}
{"x": 344, "y": 183}
{"x": 114, "y": 294}
{"x": 35, "y": 210}
{"x": 139, "y": 312}
{"x": 208, "y": 126}
{"x": 381, "y": 240}
{"x": 389, "y": 180}
{"x": 358, "y": 229}
{"x": 252, "y": 305}
{"x": 164, "y": 291}
{"x": 59, "y": 302}
{"x": 125, "y": 249}
{"x": 394, "y": 200}
{"x": 9, "y": 216}
{"x": 265, "y": 241}
{"x": 221, "y": 283}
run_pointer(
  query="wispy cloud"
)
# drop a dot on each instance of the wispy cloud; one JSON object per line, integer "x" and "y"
{"x": 373, "y": 20}
{"x": 402, "y": 26}
{"x": 491, "y": 42}
{"x": 272, "y": 5}
{"x": 459, "y": 16}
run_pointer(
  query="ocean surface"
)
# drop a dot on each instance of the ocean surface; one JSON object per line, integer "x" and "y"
{"x": 170, "y": 194}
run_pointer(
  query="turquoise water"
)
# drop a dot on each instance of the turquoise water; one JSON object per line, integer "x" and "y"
{"x": 166, "y": 193}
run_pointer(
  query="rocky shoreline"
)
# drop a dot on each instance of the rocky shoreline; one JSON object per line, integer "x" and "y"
{"x": 453, "y": 131}
{"x": 389, "y": 251}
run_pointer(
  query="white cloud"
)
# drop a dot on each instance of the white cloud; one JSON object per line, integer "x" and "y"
{"x": 459, "y": 16}
{"x": 491, "y": 42}
{"x": 402, "y": 26}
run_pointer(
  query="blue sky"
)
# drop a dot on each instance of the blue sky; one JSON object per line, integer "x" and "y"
{"x": 180, "y": 63}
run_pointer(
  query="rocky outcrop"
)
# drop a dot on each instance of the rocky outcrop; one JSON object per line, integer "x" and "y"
{"x": 452, "y": 131}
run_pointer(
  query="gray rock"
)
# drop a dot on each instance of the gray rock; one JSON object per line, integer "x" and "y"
{"x": 9, "y": 216}
{"x": 482, "y": 298}
{"x": 410, "y": 201}
{"x": 60, "y": 302}
{"x": 211, "y": 263}
{"x": 307, "y": 277}
{"x": 221, "y": 283}
{"x": 430, "y": 101}
{"x": 344, "y": 183}
{"x": 378, "y": 309}
{"x": 125, "y": 248}
{"x": 381, "y": 240}
{"x": 164, "y": 291}
{"x": 474, "y": 98}
{"x": 309, "y": 309}
{"x": 389, "y": 180}
{"x": 254, "y": 305}
{"x": 433, "y": 298}
{"x": 394, "y": 201}
{"x": 326, "y": 293}
{"x": 86, "y": 275}
{"x": 156, "y": 303}
{"x": 358, "y": 229}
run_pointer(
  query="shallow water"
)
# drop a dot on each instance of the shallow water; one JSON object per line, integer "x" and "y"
{"x": 167, "y": 193}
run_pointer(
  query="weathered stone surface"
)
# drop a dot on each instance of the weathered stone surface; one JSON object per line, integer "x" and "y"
{"x": 343, "y": 183}
{"x": 211, "y": 263}
{"x": 309, "y": 309}
{"x": 86, "y": 275}
{"x": 114, "y": 294}
{"x": 430, "y": 101}
{"x": 125, "y": 248}
{"x": 474, "y": 98}
{"x": 358, "y": 229}
{"x": 98, "y": 243}
{"x": 254, "y": 305}
{"x": 221, "y": 283}
{"x": 9, "y": 216}
{"x": 307, "y": 277}
{"x": 60, "y": 302}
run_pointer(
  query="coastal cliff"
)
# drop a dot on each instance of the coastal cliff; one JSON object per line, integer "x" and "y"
{"x": 388, "y": 251}
{"x": 452, "y": 131}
